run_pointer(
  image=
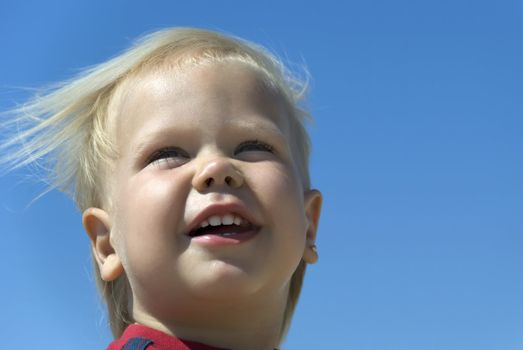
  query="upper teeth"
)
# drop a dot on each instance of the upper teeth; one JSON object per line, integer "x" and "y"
{"x": 227, "y": 219}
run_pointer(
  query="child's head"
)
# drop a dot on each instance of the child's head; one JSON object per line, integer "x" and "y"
{"x": 189, "y": 158}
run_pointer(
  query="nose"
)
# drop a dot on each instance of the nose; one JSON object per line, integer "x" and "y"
{"x": 217, "y": 172}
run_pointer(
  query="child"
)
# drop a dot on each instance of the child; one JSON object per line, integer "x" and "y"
{"x": 188, "y": 157}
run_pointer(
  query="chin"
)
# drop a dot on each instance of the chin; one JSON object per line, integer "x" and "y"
{"x": 223, "y": 280}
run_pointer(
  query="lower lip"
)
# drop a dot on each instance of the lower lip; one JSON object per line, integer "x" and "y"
{"x": 216, "y": 240}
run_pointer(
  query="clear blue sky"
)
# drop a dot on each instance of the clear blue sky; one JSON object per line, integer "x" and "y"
{"x": 418, "y": 150}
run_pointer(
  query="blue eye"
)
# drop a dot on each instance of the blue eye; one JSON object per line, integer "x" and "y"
{"x": 169, "y": 157}
{"x": 253, "y": 146}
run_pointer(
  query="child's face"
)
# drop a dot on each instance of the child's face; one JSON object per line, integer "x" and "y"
{"x": 205, "y": 146}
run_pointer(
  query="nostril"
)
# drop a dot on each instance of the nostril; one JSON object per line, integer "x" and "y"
{"x": 209, "y": 182}
{"x": 228, "y": 180}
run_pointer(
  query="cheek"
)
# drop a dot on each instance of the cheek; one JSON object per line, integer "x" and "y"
{"x": 146, "y": 217}
{"x": 282, "y": 198}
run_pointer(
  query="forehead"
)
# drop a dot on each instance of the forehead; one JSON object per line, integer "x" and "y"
{"x": 192, "y": 96}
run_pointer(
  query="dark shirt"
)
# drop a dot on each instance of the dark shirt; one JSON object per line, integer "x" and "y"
{"x": 139, "y": 337}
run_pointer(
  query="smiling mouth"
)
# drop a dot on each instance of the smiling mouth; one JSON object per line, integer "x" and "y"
{"x": 222, "y": 230}
{"x": 228, "y": 225}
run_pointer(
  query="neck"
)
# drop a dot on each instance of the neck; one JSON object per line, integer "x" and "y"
{"x": 235, "y": 325}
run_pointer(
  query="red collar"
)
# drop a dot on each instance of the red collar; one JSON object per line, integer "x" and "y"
{"x": 156, "y": 339}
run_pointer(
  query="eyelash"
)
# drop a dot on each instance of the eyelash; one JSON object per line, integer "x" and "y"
{"x": 261, "y": 146}
{"x": 164, "y": 154}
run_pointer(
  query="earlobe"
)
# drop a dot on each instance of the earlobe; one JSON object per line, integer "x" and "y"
{"x": 98, "y": 226}
{"x": 312, "y": 202}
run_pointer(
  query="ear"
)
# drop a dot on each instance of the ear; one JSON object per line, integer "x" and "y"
{"x": 312, "y": 202}
{"x": 98, "y": 226}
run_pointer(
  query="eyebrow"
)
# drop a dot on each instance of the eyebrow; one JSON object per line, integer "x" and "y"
{"x": 256, "y": 127}
{"x": 158, "y": 135}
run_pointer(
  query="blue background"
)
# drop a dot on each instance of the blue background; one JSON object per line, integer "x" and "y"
{"x": 417, "y": 148}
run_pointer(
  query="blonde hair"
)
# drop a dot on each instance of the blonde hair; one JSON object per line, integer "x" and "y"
{"x": 68, "y": 128}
